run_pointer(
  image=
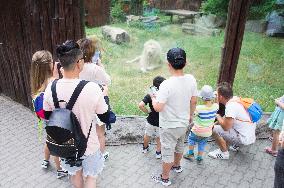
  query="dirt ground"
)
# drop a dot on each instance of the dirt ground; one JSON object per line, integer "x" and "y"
{"x": 131, "y": 130}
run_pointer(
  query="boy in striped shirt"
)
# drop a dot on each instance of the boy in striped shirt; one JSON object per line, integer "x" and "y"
{"x": 203, "y": 124}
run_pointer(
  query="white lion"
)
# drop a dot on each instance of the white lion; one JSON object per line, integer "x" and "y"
{"x": 151, "y": 56}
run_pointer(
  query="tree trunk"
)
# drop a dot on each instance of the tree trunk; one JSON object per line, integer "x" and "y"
{"x": 237, "y": 14}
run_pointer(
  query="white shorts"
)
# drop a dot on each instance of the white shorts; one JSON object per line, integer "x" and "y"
{"x": 152, "y": 130}
{"x": 92, "y": 165}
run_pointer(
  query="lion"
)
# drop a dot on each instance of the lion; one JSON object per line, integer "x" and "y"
{"x": 150, "y": 58}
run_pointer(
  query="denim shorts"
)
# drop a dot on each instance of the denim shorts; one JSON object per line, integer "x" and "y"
{"x": 92, "y": 165}
{"x": 201, "y": 141}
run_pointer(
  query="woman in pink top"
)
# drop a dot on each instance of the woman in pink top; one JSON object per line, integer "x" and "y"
{"x": 94, "y": 73}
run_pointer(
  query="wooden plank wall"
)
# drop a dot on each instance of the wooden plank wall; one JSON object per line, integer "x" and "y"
{"x": 193, "y": 5}
{"x": 30, "y": 25}
{"x": 97, "y": 12}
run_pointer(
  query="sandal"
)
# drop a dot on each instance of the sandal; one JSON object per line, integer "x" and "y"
{"x": 271, "y": 152}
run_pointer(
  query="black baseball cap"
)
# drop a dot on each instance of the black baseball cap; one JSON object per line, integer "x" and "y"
{"x": 176, "y": 54}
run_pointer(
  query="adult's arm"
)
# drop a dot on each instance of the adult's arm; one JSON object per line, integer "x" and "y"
{"x": 225, "y": 122}
{"x": 193, "y": 102}
{"x": 158, "y": 106}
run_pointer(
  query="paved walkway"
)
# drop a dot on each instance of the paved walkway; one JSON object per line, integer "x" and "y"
{"x": 21, "y": 154}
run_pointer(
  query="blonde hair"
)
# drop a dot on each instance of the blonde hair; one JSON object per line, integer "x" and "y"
{"x": 89, "y": 46}
{"x": 97, "y": 45}
{"x": 40, "y": 72}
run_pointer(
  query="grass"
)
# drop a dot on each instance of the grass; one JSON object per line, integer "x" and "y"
{"x": 259, "y": 74}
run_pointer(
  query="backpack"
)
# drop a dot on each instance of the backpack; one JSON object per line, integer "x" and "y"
{"x": 112, "y": 116}
{"x": 253, "y": 109}
{"x": 38, "y": 109}
{"x": 38, "y": 105}
{"x": 65, "y": 138}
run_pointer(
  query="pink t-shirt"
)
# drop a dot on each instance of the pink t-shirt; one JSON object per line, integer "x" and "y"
{"x": 89, "y": 103}
{"x": 94, "y": 73}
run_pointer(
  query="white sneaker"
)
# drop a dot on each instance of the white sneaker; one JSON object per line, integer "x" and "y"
{"x": 158, "y": 179}
{"x": 145, "y": 150}
{"x": 106, "y": 155}
{"x": 218, "y": 154}
{"x": 234, "y": 148}
{"x": 45, "y": 164}
{"x": 158, "y": 155}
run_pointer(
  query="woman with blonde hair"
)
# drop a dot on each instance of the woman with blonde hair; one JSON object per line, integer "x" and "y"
{"x": 40, "y": 76}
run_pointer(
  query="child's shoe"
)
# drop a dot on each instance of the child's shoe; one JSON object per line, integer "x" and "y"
{"x": 271, "y": 152}
{"x": 159, "y": 179}
{"x": 158, "y": 155}
{"x": 45, "y": 164}
{"x": 189, "y": 157}
{"x": 199, "y": 160}
{"x": 177, "y": 169}
{"x": 145, "y": 150}
{"x": 61, "y": 173}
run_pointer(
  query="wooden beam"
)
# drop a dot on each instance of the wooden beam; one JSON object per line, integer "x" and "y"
{"x": 234, "y": 32}
{"x": 237, "y": 15}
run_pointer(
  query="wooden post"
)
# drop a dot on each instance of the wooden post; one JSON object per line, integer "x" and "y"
{"x": 237, "y": 14}
{"x": 236, "y": 20}
{"x": 27, "y": 26}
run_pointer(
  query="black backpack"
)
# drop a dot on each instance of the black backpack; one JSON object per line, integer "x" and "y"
{"x": 65, "y": 138}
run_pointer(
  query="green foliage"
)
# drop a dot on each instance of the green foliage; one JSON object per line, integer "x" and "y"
{"x": 220, "y": 8}
{"x": 217, "y": 7}
{"x": 258, "y": 74}
{"x": 260, "y": 11}
{"x": 117, "y": 14}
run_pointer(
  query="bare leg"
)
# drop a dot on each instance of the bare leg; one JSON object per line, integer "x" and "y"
{"x": 77, "y": 179}
{"x": 90, "y": 182}
{"x": 275, "y": 141}
{"x": 220, "y": 142}
{"x": 46, "y": 153}
{"x": 146, "y": 141}
{"x": 177, "y": 160}
{"x": 166, "y": 170}
{"x": 158, "y": 144}
{"x": 57, "y": 163}
{"x": 200, "y": 153}
{"x": 101, "y": 137}
{"x": 191, "y": 147}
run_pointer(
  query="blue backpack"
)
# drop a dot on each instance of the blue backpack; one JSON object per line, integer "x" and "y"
{"x": 253, "y": 108}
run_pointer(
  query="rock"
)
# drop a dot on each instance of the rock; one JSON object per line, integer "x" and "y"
{"x": 210, "y": 21}
{"x": 115, "y": 35}
{"x": 130, "y": 130}
{"x": 195, "y": 29}
{"x": 126, "y": 130}
{"x": 257, "y": 26}
{"x": 275, "y": 24}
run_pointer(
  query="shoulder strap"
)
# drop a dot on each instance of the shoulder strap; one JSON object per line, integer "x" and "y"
{"x": 76, "y": 94}
{"x": 238, "y": 101}
{"x": 54, "y": 94}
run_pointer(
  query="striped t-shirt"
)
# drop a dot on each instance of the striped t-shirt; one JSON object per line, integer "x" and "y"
{"x": 204, "y": 120}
